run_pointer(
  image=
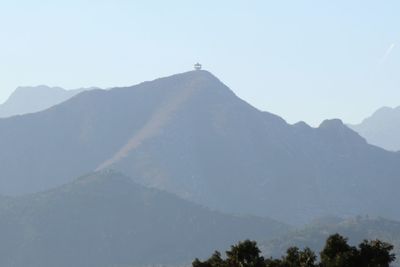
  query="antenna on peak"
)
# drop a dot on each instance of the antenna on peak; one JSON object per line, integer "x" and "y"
{"x": 197, "y": 66}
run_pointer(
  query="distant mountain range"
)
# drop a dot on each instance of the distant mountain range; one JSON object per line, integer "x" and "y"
{"x": 382, "y": 128}
{"x": 356, "y": 229}
{"x": 191, "y": 135}
{"x": 33, "y": 99}
{"x": 104, "y": 219}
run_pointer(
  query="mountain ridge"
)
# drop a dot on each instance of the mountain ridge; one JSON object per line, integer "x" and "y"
{"x": 207, "y": 141}
{"x": 31, "y": 99}
{"x": 382, "y": 128}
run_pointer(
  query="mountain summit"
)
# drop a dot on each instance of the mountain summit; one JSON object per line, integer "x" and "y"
{"x": 189, "y": 134}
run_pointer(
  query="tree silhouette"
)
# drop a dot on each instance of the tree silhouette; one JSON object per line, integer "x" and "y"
{"x": 245, "y": 254}
{"x": 376, "y": 254}
{"x": 336, "y": 253}
{"x": 214, "y": 261}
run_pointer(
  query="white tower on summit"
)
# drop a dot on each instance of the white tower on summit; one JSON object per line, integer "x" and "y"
{"x": 197, "y": 66}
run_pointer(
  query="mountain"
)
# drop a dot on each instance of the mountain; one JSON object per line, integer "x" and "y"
{"x": 382, "y": 128}
{"x": 189, "y": 134}
{"x": 356, "y": 229}
{"x": 105, "y": 219}
{"x": 33, "y": 99}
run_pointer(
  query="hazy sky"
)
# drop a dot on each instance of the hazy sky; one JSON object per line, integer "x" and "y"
{"x": 303, "y": 60}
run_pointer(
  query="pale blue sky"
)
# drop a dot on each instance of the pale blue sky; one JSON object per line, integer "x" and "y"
{"x": 303, "y": 60}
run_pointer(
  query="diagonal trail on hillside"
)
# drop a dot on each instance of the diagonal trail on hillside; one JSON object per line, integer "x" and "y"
{"x": 154, "y": 125}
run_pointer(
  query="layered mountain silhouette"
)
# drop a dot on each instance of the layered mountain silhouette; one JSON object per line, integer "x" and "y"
{"x": 191, "y": 135}
{"x": 105, "y": 219}
{"x": 33, "y": 99}
{"x": 382, "y": 128}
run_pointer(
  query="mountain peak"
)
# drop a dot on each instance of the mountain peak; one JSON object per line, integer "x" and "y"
{"x": 383, "y": 110}
{"x": 332, "y": 124}
{"x": 189, "y": 134}
{"x": 335, "y": 129}
{"x": 199, "y": 76}
{"x": 38, "y": 87}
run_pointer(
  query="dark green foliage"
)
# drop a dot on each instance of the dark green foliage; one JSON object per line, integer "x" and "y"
{"x": 294, "y": 258}
{"x": 336, "y": 253}
{"x": 376, "y": 253}
{"x": 214, "y": 261}
{"x": 356, "y": 229}
{"x": 245, "y": 254}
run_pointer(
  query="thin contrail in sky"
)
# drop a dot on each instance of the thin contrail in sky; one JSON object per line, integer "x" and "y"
{"x": 387, "y": 54}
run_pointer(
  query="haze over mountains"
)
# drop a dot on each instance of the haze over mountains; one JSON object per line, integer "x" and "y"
{"x": 33, "y": 99}
{"x": 190, "y": 135}
{"x": 105, "y": 219}
{"x": 382, "y": 128}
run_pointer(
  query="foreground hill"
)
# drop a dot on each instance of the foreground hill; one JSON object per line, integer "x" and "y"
{"x": 105, "y": 219}
{"x": 382, "y": 128}
{"x": 33, "y": 99}
{"x": 356, "y": 229}
{"x": 191, "y": 135}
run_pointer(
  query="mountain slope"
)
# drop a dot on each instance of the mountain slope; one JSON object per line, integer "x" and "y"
{"x": 382, "y": 128}
{"x": 356, "y": 229}
{"x": 191, "y": 135}
{"x": 104, "y": 219}
{"x": 33, "y": 99}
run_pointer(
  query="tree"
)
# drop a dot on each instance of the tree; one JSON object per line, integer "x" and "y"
{"x": 376, "y": 254}
{"x": 338, "y": 253}
{"x": 308, "y": 258}
{"x": 273, "y": 263}
{"x": 292, "y": 258}
{"x": 298, "y": 258}
{"x": 245, "y": 254}
{"x": 214, "y": 261}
